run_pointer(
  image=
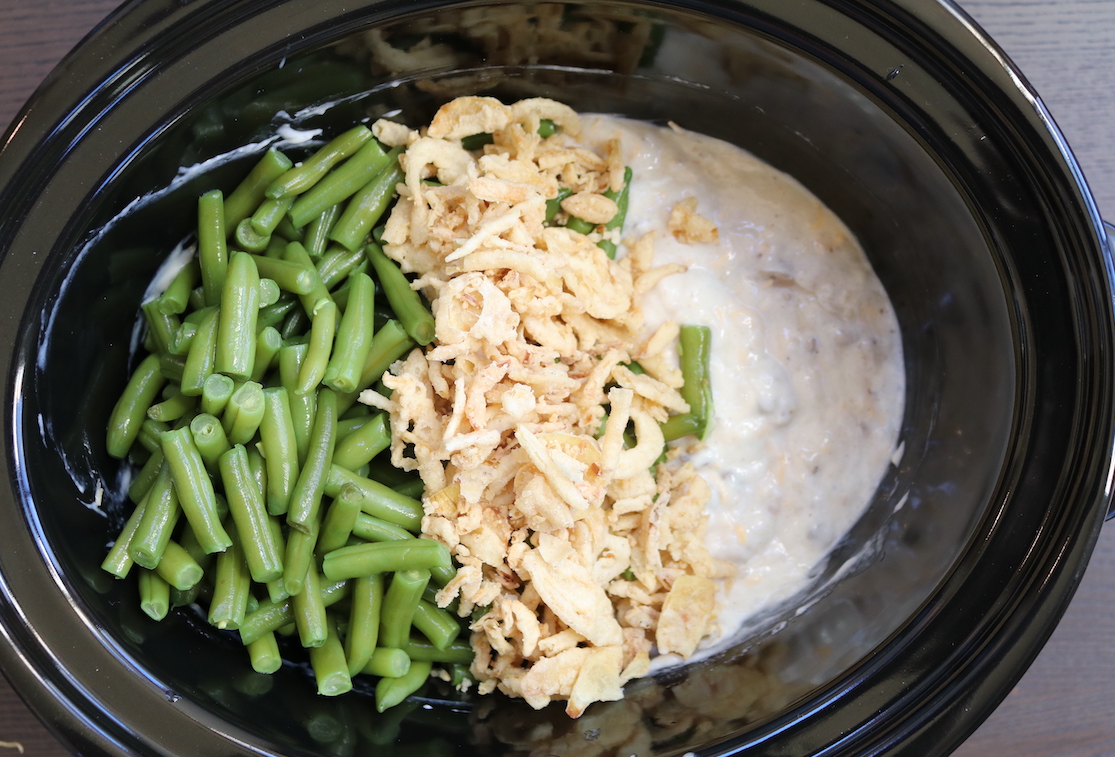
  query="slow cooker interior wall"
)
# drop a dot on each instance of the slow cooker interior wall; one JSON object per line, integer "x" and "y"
{"x": 910, "y": 217}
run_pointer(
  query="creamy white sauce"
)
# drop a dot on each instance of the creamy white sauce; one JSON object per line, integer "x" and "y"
{"x": 807, "y": 370}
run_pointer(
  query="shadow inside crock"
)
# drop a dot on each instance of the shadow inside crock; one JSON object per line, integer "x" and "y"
{"x": 856, "y": 153}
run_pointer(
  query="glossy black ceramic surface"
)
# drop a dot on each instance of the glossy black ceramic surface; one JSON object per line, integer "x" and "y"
{"x": 897, "y": 114}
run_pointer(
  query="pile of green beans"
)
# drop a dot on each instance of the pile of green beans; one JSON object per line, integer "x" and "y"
{"x": 258, "y": 491}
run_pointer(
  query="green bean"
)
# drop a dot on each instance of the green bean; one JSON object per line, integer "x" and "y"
{"x": 580, "y": 225}
{"x": 268, "y": 343}
{"x": 286, "y": 229}
{"x": 317, "y": 234}
{"x": 301, "y": 178}
{"x": 141, "y": 484}
{"x": 329, "y": 665}
{"x": 322, "y": 331}
{"x": 178, "y": 569}
{"x": 379, "y": 500}
{"x": 309, "y": 610}
{"x": 264, "y": 654}
{"x": 150, "y": 434}
{"x": 160, "y": 326}
{"x": 249, "y": 239}
{"x": 371, "y": 528}
{"x": 400, "y": 602}
{"x": 160, "y": 516}
{"x": 356, "y": 418}
{"x": 202, "y": 357}
{"x": 250, "y": 193}
{"x": 297, "y": 556}
{"x": 392, "y": 691}
{"x": 212, "y": 252}
{"x": 368, "y": 205}
{"x": 236, "y": 332}
{"x": 185, "y": 598}
{"x": 266, "y": 218}
{"x": 195, "y": 490}
{"x": 553, "y": 205}
{"x": 442, "y": 574}
{"x": 337, "y": 263}
{"x": 305, "y": 499}
{"x": 406, "y": 302}
{"x": 269, "y": 291}
{"x": 387, "y": 662}
{"x": 176, "y": 297}
{"x": 290, "y": 276}
{"x": 694, "y": 343}
{"x": 154, "y": 594}
{"x": 280, "y": 449}
{"x": 359, "y": 447}
{"x": 273, "y": 315}
{"x": 258, "y": 467}
{"x": 382, "y": 557}
{"x": 340, "y": 184}
{"x": 243, "y": 413}
{"x": 215, "y": 392}
{"x": 354, "y": 337}
{"x": 547, "y": 128}
{"x": 249, "y": 516}
{"x": 436, "y": 624}
{"x": 477, "y": 141}
{"x": 131, "y": 409}
{"x": 228, "y": 607}
{"x": 363, "y": 624}
{"x": 269, "y": 617}
{"x": 622, "y": 200}
{"x": 340, "y": 517}
{"x": 311, "y": 301}
{"x": 457, "y": 652}
{"x": 389, "y": 344}
{"x": 187, "y": 540}
{"x": 171, "y": 366}
{"x": 119, "y": 561}
{"x": 182, "y": 339}
{"x": 294, "y": 329}
{"x": 176, "y": 406}
{"x": 302, "y": 406}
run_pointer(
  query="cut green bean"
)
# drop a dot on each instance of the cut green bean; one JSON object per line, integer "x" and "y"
{"x": 212, "y": 252}
{"x": 363, "y": 623}
{"x": 161, "y": 327}
{"x": 309, "y": 610}
{"x": 131, "y": 409}
{"x": 154, "y": 594}
{"x": 340, "y": 184}
{"x": 253, "y": 526}
{"x": 337, "y": 263}
{"x": 371, "y": 528}
{"x": 150, "y": 435}
{"x": 400, "y": 602}
{"x": 392, "y": 691}
{"x": 407, "y": 303}
{"x": 202, "y": 357}
{"x": 269, "y": 291}
{"x": 296, "y": 253}
{"x": 266, "y": 218}
{"x": 354, "y": 336}
{"x": 280, "y": 449}
{"x": 119, "y": 561}
{"x": 305, "y": 499}
{"x": 171, "y": 366}
{"x": 215, "y": 391}
{"x": 176, "y": 406}
{"x": 210, "y": 438}
{"x": 387, "y": 662}
{"x": 178, "y": 569}
{"x": 322, "y": 332}
{"x": 264, "y": 654}
{"x": 340, "y": 517}
{"x": 182, "y": 339}
{"x": 249, "y": 239}
{"x": 268, "y": 343}
{"x": 176, "y": 297}
{"x": 553, "y": 205}
{"x": 236, "y": 332}
{"x": 274, "y": 315}
{"x": 160, "y": 516}
{"x": 379, "y": 500}
{"x": 141, "y": 484}
{"x": 301, "y": 178}
{"x": 302, "y": 406}
{"x": 368, "y": 205}
{"x": 385, "y": 557}
{"x": 243, "y": 413}
{"x": 457, "y": 652}
{"x": 195, "y": 490}
{"x": 250, "y": 192}
{"x": 694, "y": 347}
{"x": 290, "y": 276}
{"x": 329, "y": 664}
{"x": 436, "y": 624}
{"x": 363, "y": 444}
{"x": 297, "y": 556}
{"x": 317, "y": 233}
{"x": 231, "y": 586}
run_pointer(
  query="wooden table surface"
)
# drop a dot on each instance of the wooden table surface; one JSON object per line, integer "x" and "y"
{"x": 1066, "y": 48}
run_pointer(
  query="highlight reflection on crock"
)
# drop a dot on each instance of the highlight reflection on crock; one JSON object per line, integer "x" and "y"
{"x": 523, "y": 400}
